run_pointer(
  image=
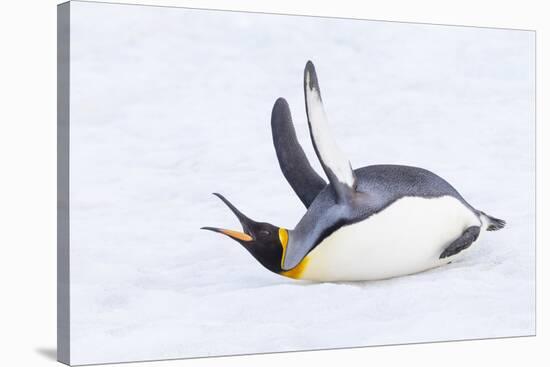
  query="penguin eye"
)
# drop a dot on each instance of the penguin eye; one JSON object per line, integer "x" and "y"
{"x": 263, "y": 232}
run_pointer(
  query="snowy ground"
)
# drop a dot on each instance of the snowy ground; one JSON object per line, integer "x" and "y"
{"x": 169, "y": 105}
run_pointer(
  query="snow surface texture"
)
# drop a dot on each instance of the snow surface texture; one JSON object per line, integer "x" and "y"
{"x": 169, "y": 105}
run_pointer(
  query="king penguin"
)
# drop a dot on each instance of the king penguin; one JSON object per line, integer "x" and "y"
{"x": 375, "y": 222}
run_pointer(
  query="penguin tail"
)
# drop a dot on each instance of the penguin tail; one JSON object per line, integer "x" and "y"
{"x": 492, "y": 223}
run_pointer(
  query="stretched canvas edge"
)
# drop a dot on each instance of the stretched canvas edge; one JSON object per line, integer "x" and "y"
{"x": 63, "y": 243}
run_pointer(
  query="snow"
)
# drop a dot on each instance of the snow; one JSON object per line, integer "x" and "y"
{"x": 169, "y": 105}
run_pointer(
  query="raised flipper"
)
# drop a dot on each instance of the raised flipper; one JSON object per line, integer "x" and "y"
{"x": 303, "y": 179}
{"x": 461, "y": 243}
{"x": 336, "y": 166}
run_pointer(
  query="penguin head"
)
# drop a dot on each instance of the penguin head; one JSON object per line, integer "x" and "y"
{"x": 264, "y": 241}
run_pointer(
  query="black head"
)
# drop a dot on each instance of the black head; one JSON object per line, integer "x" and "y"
{"x": 264, "y": 241}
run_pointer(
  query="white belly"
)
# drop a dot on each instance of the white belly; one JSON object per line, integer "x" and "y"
{"x": 406, "y": 237}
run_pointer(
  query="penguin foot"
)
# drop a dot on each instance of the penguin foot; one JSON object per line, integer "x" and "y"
{"x": 461, "y": 243}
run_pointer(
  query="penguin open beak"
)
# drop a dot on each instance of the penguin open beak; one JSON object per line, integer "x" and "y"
{"x": 246, "y": 223}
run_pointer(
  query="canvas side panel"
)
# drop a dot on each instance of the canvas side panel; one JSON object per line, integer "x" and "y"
{"x": 63, "y": 250}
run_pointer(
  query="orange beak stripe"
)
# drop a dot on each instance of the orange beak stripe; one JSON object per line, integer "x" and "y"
{"x": 237, "y": 235}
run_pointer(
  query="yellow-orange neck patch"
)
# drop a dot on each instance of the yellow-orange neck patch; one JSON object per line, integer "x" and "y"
{"x": 296, "y": 271}
{"x": 283, "y": 238}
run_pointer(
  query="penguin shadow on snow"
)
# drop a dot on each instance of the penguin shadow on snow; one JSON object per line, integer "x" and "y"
{"x": 366, "y": 224}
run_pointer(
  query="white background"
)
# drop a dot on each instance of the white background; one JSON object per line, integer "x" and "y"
{"x": 28, "y": 195}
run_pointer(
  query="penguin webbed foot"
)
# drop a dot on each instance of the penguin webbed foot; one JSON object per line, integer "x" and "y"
{"x": 461, "y": 243}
